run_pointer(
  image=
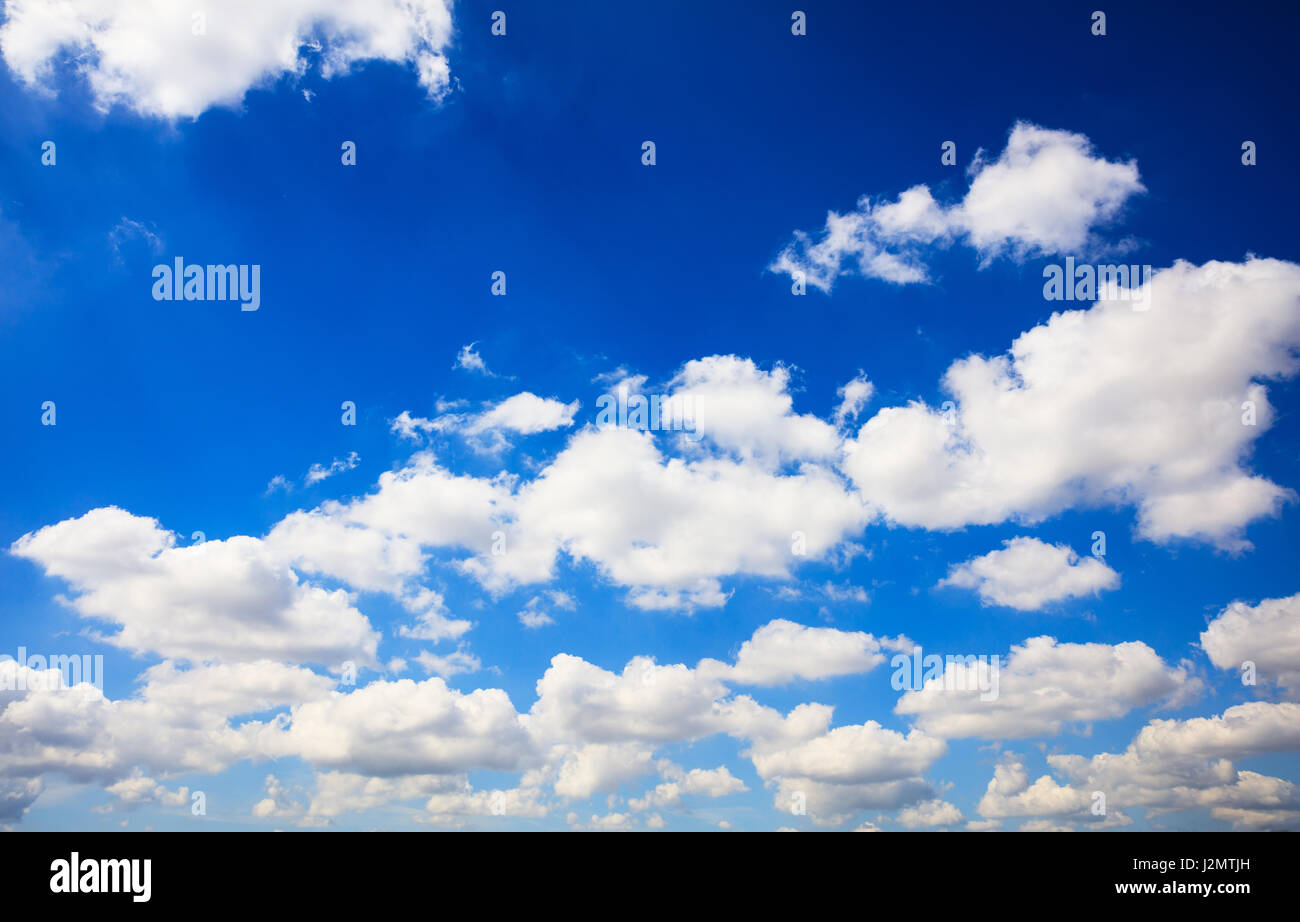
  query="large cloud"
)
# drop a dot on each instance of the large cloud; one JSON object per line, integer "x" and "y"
{"x": 405, "y": 727}
{"x": 667, "y": 528}
{"x": 179, "y": 721}
{"x": 1170, "y": 765}
{"x": 157, "y": 58}
{"x": 1044, "y": 685}
{"x": 1103, "y": 406}
{"x": 231, "y": 600}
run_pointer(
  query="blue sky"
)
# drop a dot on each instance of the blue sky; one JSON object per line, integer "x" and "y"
{"x": 526, "y": 157}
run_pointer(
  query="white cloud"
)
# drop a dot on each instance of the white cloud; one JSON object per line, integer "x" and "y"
{"x": 782, "y": 651}
{"x": 1104, "y": 406}
{"x": 427, "y": 503}
{"x": 1027, "y": 574}
{"x": 534, "y": 616}
{"x": 338, "y": 793}
{"x": 600, "y": 768}
{"x": 178, "y": 722}
{"x": 577, "y": 701}
{"x": 703, "y": 782}
{"x": 329, "y": 546}
{"x": 668, "y": 529}
{"x": 609, "y": 822}
{"x": 455, "y": 663}
{"x": 319, "y": 472}
{"x": 449, "y": 808}
{"x": 748, "y": 411}
{"x": 928, "y": 814}
{"x": 1170, "y": 765}
{"x": 1046, "y": 193}
{"x": 1267, "y": 634}
{"x": 468, "y": 359}
{"x": 523, "y": 414}
{"x": 230, "y": 600}
{"x": 432, "y": 621}
{"x": 137, "y": 791}
{"x": 854, "y": 397}
{"x": 839, "y": 804}
{"x": 146, "y": 55}
{"x": 855, "y": 754}
{"x": 526, "y": 413}
{"x": 531, "y": 618}
{"x": 1042, "y": 685}
{"x": 405, "y": 727}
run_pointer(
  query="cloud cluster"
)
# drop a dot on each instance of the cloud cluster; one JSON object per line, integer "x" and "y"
{"x": 1043, "y": 686}
{"x": 1170, "y": 765}
{"x": 1103, "y": 406}
{"x": 1045, "y": 193}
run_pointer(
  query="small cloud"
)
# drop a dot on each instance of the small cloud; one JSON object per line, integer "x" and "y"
{"x": 469, "y": 360}
{"x": 534, "y": 614}
{"x": 447, "y": 666}
{"x": 127, "y": 230}
{"x": 524, "y": 413}
{"x": 854, "y": 396}
{"x": 315, "y": 474}
{"x": 319, "y": 472}
{"x": 530, "y": 618}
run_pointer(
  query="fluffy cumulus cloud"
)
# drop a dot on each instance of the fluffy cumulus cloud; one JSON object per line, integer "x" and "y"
{"x": 855, "y": 755}
{"x": 1171, "y": 765}
{"x": 1046, "y": 193}
{"x": 696, "y": 783}
{"x": 929, "y": 814}
{"x": 594, "y": 732}
{"x": 171, "y": 61}
{"x": 1266, "y": 635}
{"x": 782, "y": 651}
{"x": 669, "y": 529}
{"x": 180, "y": 720}
{"x": 750, "y": 412}
{"x": 590, "y": 732}
{"x": 601, "y": 767}
{"x": 577, "y": 700}
{"x": 1042, "y": 686}
{"x": 406, "y": 727}
{"x": 1103, "y": 406}
{"x": 1027, "y": 574}
{"x": 232, "y": 600}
